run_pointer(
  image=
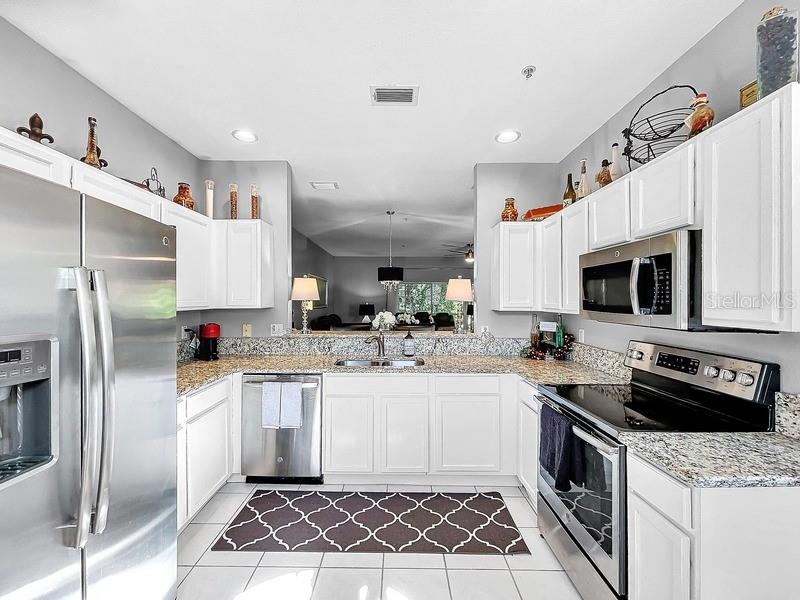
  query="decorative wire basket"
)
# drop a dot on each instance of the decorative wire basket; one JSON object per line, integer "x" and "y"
{"x": 659, "y": 132}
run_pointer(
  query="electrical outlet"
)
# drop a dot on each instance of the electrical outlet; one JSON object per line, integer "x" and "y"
{"x": 247, "y": 330}
{"x": 185, "y": 332}
{"x": 581, "y": 335}
{"x": 276, "y": 329}
{"x": 485, "y": 329}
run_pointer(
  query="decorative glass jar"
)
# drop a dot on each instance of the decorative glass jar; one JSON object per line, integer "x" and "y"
{"x": 184, "y": 196}
{"x": 776, "y": 50}
{"x": 510, "y": 212}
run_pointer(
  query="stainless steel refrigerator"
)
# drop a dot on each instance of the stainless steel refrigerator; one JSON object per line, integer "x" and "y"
{"x": 87, "y": 397}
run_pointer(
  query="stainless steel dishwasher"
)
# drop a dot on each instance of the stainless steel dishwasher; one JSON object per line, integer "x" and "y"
{"x": 274, "y": 454}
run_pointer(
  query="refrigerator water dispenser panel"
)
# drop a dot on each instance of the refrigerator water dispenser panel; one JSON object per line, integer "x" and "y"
{"x": 28, "y": 397}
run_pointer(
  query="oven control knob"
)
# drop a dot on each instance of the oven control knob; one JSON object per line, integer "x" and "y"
{"x": 711, "y": 371}
{"x": 635, "y": 354}
{"x": 745, "y": 379}
{"x": 727, "y": 375}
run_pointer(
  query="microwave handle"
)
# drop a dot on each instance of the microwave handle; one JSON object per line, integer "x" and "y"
{"x": 633, "y": 285}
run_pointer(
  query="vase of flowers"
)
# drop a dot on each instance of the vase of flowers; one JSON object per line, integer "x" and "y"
{"x": 407, "y": 319}
{"x": 384, "y": 321}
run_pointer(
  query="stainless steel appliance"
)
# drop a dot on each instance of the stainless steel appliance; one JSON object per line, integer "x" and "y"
{"x": 581, "y": 499}
{"x": 87, "y": 397}
{"x": 654, "y": 282}
{"x": 285, "y": 453}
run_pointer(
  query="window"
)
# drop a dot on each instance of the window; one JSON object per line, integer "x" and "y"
{"x": 429, "y": 297}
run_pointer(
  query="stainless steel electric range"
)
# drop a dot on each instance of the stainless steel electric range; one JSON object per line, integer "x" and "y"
{"x": 582, "y": 467}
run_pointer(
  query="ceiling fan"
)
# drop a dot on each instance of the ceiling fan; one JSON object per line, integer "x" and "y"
{"x": 468, "y": 250}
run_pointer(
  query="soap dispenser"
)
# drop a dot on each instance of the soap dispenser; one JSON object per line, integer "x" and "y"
{"x": 408, "y": 344}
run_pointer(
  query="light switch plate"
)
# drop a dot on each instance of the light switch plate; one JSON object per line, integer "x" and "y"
{"x": 247, "y": 330}
{"x": 276, "y": 329}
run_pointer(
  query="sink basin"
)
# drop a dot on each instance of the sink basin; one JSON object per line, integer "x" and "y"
{"x": 393, "y": 363}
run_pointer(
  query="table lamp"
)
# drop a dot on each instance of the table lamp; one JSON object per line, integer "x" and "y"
{"x": 459, "y": 290}
{"x": 366, "y": 310}
{"x": 306, "y": 291}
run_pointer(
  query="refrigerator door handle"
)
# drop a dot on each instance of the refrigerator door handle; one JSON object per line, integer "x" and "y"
{"x": 106, "y": 339}
{"x": 90, "y": 404}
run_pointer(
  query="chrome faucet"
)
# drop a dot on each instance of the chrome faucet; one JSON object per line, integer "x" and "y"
{"x": 381, "y": 342}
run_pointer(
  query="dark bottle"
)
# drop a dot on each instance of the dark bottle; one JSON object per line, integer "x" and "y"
{"x": 569, "y": 193}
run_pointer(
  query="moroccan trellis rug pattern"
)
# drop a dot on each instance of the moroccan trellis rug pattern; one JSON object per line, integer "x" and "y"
{"x": 310, "y": 521}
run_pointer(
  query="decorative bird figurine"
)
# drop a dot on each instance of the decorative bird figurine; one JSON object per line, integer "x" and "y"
{"x": 703, "y": 116}
{"x": 603, "y": 177}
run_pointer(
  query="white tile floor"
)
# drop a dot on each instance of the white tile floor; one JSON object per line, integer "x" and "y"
{"x": 207, "y": 575}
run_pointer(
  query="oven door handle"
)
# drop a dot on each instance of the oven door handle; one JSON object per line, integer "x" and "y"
{"x": 601, "y": 447}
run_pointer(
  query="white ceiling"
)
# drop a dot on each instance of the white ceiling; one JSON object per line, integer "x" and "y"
{"x": 298, "y": 73}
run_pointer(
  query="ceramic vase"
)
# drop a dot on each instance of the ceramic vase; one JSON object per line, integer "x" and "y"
{"x": 584, "y": 187}
{"x": 184, "y": 196}
{"x": 510, "y": 212}
{"x": 615, "y": 169}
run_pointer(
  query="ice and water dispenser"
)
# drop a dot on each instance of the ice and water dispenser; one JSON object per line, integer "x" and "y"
{"x": 28, "y": 403}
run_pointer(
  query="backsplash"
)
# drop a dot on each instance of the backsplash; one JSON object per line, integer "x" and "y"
{"x": 185, "y": 351}
{"x": 601, "y": 359}
{"x": 787, "y": 414}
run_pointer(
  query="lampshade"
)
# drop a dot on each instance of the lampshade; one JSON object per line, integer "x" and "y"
{"x": 366, "y": 310}
{"x": 459, "y": 290}
{"x": 305, "y": 288}
{"x": 390, "y": 274}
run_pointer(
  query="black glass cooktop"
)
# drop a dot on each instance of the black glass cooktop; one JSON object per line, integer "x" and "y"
{"x": 635, "y": 408}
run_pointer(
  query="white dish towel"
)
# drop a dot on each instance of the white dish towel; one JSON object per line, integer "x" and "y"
{"x": 291, "y": 405}
{"x": 270, "y": 405}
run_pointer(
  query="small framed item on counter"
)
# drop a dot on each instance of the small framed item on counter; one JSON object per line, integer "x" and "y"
{"x": 748, "y": 94}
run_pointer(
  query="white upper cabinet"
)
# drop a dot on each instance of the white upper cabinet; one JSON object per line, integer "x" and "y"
{"x": 244, "y": 274}
{"x": 574, "y": 242}
{"x": 550, "y": 261}
{"x": 106, "y": 187}
{"x": 513, "y": 286}
{"x": 610, "y": 215}
{"x": 193, "y": 255}
{"x": 662, "y": 193}
{"x": 33, "y": 158}
{"x": 745, "y": 186}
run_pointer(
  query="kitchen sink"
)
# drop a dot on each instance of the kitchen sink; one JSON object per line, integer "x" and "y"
{"x": 395, "y": 363}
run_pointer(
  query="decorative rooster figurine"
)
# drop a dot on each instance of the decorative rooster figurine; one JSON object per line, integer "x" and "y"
{"x": 703, "y": 116}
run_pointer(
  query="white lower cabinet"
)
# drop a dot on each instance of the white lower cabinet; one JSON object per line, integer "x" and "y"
{"x": 183, "y": 507}
{"x": 466, "y": 433}
{"x": 349, "y": 427}
{"x": 403, "y": 433}
{"x": 659, "y": 561}
{"x": 528, "y": 439}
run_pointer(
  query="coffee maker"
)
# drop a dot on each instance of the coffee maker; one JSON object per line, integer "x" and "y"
{"x": 208, "y": 336}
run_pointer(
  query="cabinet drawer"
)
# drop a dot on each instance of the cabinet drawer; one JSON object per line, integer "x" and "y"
{"x": 206, "y": 398}
{"x": 356, "y": 384}
{"x": 467, "y": 384}
{"x": 671, "y": 497}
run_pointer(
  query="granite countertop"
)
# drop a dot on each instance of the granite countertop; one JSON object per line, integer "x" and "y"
{"x": 706, "y": 460}
{"x": 194, "y": 374}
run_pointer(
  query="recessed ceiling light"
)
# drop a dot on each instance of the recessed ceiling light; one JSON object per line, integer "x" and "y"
{"x": 324, "y": 185}
{"x": 507, "y": 136}
{"x": 528, "y": 71}
{"x": 244, "y": 135}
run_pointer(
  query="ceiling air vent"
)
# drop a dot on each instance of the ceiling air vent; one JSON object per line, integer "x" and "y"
{"x": 394, "y": 95}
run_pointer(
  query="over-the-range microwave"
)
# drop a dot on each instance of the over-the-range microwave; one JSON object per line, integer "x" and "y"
{"x": 655, "y": 282}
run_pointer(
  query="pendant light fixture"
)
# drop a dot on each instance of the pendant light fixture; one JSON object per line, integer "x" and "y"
{"x": 390, "y": 277}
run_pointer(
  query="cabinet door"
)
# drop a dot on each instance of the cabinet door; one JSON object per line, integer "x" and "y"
{"x": 514, "y": 277}
{"x": 207, "y": 454}
{"x": 610, "y": 215}
{"x": 349, "y": 427}
{"x": 243, "y": 253}
{"x": 33, "y": 158}
{"x": 574, "y": 242}
{"x": 466, "y": 435}
{"x": 659, "y": 555}
{"x": 193, "y": 255}
{"x": 108, "y": 188}
{"x": 183, "y": 513}
{"x": 744, "y": 230}
{"x": 551, "y": 263}
{"x": 403, "y": 435}
{"x": 528, "y": 459}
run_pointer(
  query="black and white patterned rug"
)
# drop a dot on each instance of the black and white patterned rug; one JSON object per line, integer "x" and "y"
{"x": 311, "y": 521}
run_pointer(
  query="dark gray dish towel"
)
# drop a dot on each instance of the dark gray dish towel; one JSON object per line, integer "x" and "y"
{"x": 560, "y": 452}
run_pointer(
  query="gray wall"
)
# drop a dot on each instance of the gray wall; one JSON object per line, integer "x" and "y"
{"x": 36, "y": 81}
{"x": 310, "y": 259}
{"x": 273, "y": 179}
{"x": 356, "y": 280}
{"x": 532, "y": 185}
{"x": 719, "y": 64}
